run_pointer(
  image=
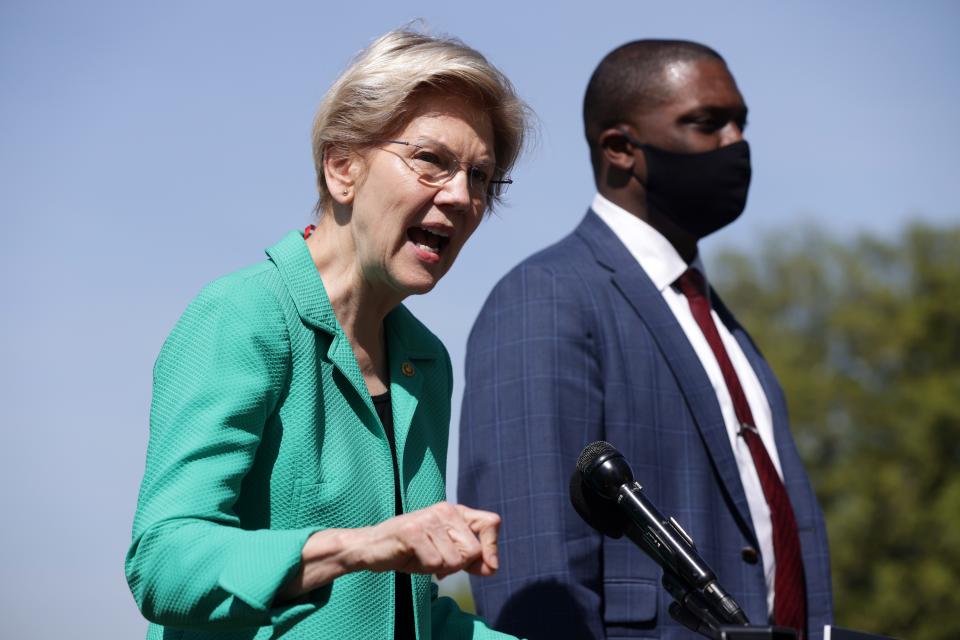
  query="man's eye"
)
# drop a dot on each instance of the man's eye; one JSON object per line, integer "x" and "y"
{"x": 710, "y": 124}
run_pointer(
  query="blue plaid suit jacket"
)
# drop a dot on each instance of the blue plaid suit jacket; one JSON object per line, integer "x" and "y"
{"x": 575, "y": 345}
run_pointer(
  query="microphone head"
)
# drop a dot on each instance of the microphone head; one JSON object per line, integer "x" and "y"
{"x": 600, "y": 514}
{"x": 594, "y": 453}
{"x": 604, "y": 469}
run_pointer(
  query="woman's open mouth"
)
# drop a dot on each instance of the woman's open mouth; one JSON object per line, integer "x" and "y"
{"x": 429, "y": 243}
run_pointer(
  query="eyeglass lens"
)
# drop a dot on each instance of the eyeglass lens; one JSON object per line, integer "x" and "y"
{"x": 436, "y": 165}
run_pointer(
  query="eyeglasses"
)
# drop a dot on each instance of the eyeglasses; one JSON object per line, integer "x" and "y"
{"x": 437, "y": 165}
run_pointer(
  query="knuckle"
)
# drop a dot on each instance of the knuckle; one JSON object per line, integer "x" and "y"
{"x": 408, "y": 529}
{"x": 445, "y": 510}
{"x": 433, "y": 561}
{"x": 473, "y": 550}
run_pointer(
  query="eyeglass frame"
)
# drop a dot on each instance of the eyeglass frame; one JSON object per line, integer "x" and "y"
{"x": 500, "y": 184}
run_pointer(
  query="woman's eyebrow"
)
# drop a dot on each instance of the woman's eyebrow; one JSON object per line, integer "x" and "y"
{"x": 430, "y": 143}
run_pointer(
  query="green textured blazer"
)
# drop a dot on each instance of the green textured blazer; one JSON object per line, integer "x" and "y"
{"x": 262, "y": 432}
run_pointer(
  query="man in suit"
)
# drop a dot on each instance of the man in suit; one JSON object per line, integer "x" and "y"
{"x": 614, "y": 334}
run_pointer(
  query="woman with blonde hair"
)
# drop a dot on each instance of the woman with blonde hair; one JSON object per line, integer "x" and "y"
{"x": 298, "y": 433}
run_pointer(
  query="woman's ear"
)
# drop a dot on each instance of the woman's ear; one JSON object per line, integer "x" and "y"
{"x": 341, "y": 170}
{"x": 618, "y": 153}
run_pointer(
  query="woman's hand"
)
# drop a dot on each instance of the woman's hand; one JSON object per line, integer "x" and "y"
{"x": 440, "y": 539}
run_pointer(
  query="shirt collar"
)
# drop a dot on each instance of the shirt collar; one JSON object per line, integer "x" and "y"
{"x": 654, "y": 252}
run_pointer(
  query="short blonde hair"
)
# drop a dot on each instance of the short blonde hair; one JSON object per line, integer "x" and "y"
{"x": 376, "y": 95}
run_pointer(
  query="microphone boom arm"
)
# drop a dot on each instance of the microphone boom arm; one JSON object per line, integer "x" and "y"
{"x": 605, "y": 471}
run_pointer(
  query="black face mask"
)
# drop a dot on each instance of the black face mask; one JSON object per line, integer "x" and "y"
{"x": 699, "y": 192}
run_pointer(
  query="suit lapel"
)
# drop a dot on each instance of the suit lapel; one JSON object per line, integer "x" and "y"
{"x": 795, "y": 479}
{"x": 629, "y": 278}
{"x": 768, "y": 381}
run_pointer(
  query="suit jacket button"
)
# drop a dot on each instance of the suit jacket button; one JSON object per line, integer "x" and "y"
{"x": 750, "y": 555}
{"x": 407, "y": 369}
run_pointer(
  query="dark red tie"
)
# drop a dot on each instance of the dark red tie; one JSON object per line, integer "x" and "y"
{"x": 790, "y": 601}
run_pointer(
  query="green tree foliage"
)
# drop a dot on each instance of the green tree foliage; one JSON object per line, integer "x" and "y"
{"x": 865, "y": 338}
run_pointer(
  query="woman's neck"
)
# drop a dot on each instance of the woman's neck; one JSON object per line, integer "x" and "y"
{"x": 359, "y": 306}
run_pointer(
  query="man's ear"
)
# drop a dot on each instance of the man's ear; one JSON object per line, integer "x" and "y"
{"x": 621, "y": 155}
{"x": 341, "y": 170}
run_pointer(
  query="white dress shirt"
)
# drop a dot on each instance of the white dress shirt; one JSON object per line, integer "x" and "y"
{"x": 664, "y": 265}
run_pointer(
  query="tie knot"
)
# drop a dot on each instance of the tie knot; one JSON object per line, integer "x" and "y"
{"x": 692, "y": 284}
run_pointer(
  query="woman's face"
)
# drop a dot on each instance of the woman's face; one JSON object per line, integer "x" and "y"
{"x": 407, "y": 233}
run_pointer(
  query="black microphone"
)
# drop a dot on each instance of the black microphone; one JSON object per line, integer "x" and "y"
{"x": 613, "y": 503}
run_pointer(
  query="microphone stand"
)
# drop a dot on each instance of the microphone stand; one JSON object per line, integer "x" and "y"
{"x": 691, "y": 610}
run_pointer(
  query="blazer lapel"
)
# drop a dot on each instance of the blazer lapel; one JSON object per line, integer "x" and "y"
{"x": 633, "y": 283}
{"x": 306, "y": 288}
{"x": 408, "y": 351}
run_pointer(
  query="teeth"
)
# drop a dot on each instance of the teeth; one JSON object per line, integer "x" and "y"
{"x": 428, "y": 248}
{"x": 443, "y": 233}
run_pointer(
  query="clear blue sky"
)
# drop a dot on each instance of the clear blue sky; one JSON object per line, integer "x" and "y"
{"x": 146, "y": 148}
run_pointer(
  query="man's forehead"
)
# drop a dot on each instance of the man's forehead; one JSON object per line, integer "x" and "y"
{"x": 704, "y": 80}
{"x": 677, "y": 73}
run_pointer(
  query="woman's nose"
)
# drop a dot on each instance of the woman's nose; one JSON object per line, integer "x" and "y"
{"x": 456, "y": 191}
